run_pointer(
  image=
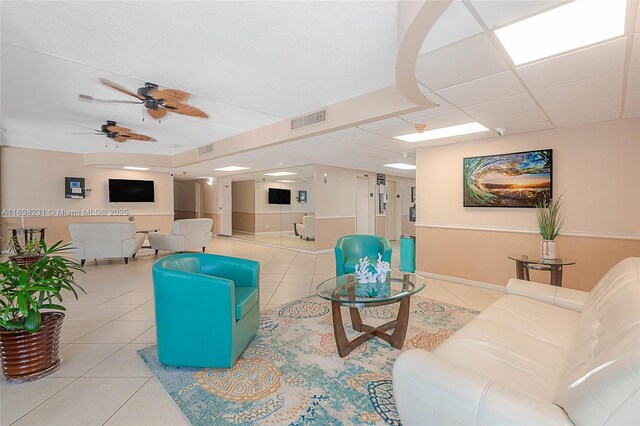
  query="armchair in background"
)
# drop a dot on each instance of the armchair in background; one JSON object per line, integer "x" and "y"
{"x": 185, "y": 234}
{"x": 207, "y": 308}
{"x": 351, "y": 248}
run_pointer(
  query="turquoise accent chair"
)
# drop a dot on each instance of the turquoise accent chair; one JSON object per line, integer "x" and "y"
{"x": 351, "y": 248}
{"x": 207, "y": 308}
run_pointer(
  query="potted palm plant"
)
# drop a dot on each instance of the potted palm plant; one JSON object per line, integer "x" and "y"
{"x": 550, "y": 219}
{"x": 30, "y": 311}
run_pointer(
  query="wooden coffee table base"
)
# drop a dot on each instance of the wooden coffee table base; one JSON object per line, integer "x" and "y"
{"x": 395, "y": 339}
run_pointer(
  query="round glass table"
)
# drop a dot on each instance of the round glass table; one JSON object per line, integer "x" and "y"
{"x": 526, "y": 262}
{"x": 346, "y": 291}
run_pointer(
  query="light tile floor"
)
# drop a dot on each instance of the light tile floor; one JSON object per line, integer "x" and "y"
{"x": 103, "y": 381}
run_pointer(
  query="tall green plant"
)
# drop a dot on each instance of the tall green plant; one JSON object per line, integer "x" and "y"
{"x": 550, "y": 215}
{"x": 26, "y": 290}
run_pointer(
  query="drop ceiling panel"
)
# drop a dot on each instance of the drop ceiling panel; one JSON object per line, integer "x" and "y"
{"x": 634, "y": 61}
{"x": 484, "y": 89}
{"x": 395, "y": 130}
{"x": 496, "y": 13}
{"x": 502, "y": 107}
{"x": 456, "y": 23}
{"x": 464, "y": 61}
{"x": 519, "y": 119}
{"x": 588, "y": 88}
{"x": 605, "y": 108}
{"x": 633, "y": 79}
{"x": 445, "y": 119}
{"x": 632, "y": 100}
{"x": 603, "y": 59}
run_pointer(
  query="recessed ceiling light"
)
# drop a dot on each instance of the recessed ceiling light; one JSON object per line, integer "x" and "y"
{"x": 444, "y": 132}
{"x": 232, "y": 169}
{"x": 285, "y": 181}
{"x": 567, "y": 27}
{"x": 280, "y": 174}
{"x": 401, "y": 166}
{"x": 135, "y": 168}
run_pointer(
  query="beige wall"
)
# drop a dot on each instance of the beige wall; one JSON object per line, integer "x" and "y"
{"x": 328, "y": 230}
{"x": 595, "y": 166}
{"x": 34, "y": 179}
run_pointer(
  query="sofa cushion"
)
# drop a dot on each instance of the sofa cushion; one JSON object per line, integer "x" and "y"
{"x": 601, "y": 379}
{"x": 511, "y": 342}
{"x": 351, "y": 262}
{"x": 246, "y": 298}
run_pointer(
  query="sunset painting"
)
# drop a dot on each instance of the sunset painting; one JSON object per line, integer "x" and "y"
{"x": 507, "y": 180}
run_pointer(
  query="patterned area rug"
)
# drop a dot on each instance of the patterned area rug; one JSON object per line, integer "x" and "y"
{"x": 291, "y": 373}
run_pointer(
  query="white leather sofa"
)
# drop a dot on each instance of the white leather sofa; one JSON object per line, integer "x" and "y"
{"x": 539, "y": 355}
{"x": 104, "y": 240}
{"x": 308, "y": 228}
{"x": 186, "y": 234}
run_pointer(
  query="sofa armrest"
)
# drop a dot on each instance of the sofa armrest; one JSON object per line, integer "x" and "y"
{"x": 430, "y": 390}
{"x": 78, "y": 249}
{"x": 128, "y": 247}
{"x": 563, "y": 297}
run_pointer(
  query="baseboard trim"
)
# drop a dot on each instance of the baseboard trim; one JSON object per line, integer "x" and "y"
{"x": 464, "y": 281}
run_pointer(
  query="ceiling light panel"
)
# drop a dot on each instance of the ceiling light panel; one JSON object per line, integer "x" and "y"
{"x": 573, "y": 25}
{"x": 280, "y": 174}
{"x": 232, "y": 169}
{"x": 135, "y": 168}
{"x": 445, "y": 132}
{"x": 401, "y": 166}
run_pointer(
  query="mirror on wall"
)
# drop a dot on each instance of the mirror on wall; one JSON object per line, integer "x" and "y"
{"x": 275, "y": 207}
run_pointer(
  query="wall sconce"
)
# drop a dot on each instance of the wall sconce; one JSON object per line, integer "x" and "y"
{"x": 325, "y": 178}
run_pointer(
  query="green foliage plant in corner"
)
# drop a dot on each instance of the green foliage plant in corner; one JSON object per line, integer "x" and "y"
{"x": 27, "y": 290}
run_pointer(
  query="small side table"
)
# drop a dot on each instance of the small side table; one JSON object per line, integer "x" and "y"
{"x": 146, "y": 232}
{"x": 29, "y": 234}
{"x": 525, "y": 262}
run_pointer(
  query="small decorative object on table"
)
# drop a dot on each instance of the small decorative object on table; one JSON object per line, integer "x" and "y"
{"x": 375, "y": 278}
{"x": 550, "y": 219}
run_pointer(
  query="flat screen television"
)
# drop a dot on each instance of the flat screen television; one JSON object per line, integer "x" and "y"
{"x": 279, "y": 196}
{"x": 131, "y": 191}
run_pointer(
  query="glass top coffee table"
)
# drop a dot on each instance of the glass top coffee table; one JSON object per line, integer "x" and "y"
{"x": 346, "y": 291}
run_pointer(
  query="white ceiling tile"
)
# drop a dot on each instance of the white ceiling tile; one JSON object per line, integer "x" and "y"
{"x": 632, "y": 100}
{"x": 381, "y": 123}
{"x": 634, "y": 61}
{"x": 469, "y": 59}
{"x": 588, "y": 88}
{"x": 633, "y": 79}
{"x": 500, "y": 12}
{"x": 502, "y": 107}
{"x": 442, "y": 106}
{"x": 605, "y": 58}
{"x": 456, "y": 23}
{"x": 638, "y": 21}
{"x": 519, "y": 119}
{"x": 631, "y": 113}
{"x": 445, "y": 119}
{"x": 605, "y": 108}
{"x": 484, "y": 89}
{"x": 395, "y": 129}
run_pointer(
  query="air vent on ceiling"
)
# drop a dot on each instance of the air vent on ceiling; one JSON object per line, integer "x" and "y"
{"x": 309, "y": 119}
{"x": 205, "y": 149}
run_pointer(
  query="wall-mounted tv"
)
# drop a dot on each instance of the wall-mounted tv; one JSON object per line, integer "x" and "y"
{"x": 131, "y": 191}
{"x": 518, "y": 179}
{"x": 279, "y": 196}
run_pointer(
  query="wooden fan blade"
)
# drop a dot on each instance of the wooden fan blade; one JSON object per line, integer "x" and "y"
{"x": 171, "y": 94}
{"x": 118, "y": 129}
{"x": 120, "y": 139}
{"x": 157, "y": 113}
{"x": 184, "y": 109}
{"x": 139, "y": 137}
{"x": 119, "y": 88}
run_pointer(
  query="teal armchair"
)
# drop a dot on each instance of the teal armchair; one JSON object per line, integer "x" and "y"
{"x": 351, "y": 248}
{"x": 207, "y": 308}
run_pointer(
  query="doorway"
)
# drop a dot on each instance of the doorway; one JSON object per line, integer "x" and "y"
{"x": 224, "y": 206}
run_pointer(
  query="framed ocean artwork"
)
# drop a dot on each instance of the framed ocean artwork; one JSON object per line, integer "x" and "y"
{"x": 517, "y": 179}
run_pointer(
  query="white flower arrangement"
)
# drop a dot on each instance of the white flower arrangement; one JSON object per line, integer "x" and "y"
{"x": 367, "y": 273}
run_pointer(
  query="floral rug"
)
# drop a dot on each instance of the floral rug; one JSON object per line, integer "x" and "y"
{"x": 291, "y": 374}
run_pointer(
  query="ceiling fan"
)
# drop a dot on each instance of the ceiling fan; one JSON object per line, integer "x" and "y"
{"x": 158, "y": 102}
{"x": 120, "y": 134}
